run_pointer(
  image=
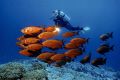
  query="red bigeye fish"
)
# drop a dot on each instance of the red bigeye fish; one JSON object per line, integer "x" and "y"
{"x": 69, "y": 34}
{"x": 32, "y": 29}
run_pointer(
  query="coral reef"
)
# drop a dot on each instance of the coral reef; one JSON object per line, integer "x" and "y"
{"x": 12, "y": 70}
{"x": 34, "y": 69}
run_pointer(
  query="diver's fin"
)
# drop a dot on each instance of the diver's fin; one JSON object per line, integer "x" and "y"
{"x": 83, "y": 31}
{"x": 86, "y": 28}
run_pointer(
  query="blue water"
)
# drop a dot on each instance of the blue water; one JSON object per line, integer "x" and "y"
{"x": 102, "y": 16}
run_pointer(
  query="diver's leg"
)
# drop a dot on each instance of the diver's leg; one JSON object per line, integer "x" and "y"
{"x": 70, "y": 27}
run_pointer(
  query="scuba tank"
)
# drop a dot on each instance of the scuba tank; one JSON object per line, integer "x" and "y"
{"x": 64, "y": 15}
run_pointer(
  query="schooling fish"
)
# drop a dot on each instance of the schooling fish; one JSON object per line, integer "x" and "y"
{"x": 70, "y": 46}
{"x": 74, "y": 52}
{"x": 45, "y": 56}
{"x": 79, "y": 41}
{"x": 25, "y": 52}
{"x": 98, "y": 61}
{"x": 104, "y": 49}
{"x": 86, "y": 59}
{"x": 34, "y": 47}
{"x": 69, "y": 34}
{"x": 30, "y": 40}
{"x": 51, "y": 28}
{"x": 104, "y": 37}
{"x": 58, "y": 57}
{"x": 32, "y": 29}
{"x": 46, "y": 35}
{"x": 27, "y": 36}
{"x": 53, "y": 43}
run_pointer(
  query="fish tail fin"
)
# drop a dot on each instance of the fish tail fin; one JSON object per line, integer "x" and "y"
{"x": 87, "y": 40}
{"x": 54, "y": 53}
{"x": 111, "y": 34}
{"x": 84, "y": 50}
{"x": 77, "y": 33}
{"x": 56, "y": 33}
{"x": 105, "y": 60}
{"x": 62, "y": 42}
{"x": 43, "y": 28}
{"x": 39, "y": 39}
{"x": 112, "y": 47}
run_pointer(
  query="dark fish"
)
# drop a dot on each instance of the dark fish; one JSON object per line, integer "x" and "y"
{"x": 105, "y": 44}
{"x": 106, "y": 36}
{"x": 86, "y": 59}
{"x": 104, "y": 49}
{"x": 98, "y": 61}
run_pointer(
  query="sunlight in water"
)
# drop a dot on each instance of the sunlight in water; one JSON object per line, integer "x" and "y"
{"x": 57, "y": 29}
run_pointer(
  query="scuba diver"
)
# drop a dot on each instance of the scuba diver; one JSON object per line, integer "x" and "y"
{"x": 63, "y": 21}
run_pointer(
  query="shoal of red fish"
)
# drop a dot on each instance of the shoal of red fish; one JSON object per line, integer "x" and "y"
{"x": 31, "y": 44}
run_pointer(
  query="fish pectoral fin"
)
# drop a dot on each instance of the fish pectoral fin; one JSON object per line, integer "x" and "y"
{"x": 57, "y": 60}
{"x": 73, "y": 56}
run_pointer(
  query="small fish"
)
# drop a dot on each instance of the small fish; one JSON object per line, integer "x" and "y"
{"x": 58, "y": 57}
{"x": 51, "y": 28}
{"x": 104, "y": 37}
{"x": 98, "y": 61}
{"x": 70, "y": 46}
{"x": 32, "y": 29}
{"x": 70, "y": 34}
{"x": 79, "y": 41}
{"x": 86, "y": 59}
{"x": 104, "y": 49}
{"x": 30, "y": 40}
{"x": 74, "y": 52}
{"x": 46, "y": 35}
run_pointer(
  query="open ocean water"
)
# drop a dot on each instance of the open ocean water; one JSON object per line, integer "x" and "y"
{"x": 101, "y": 16}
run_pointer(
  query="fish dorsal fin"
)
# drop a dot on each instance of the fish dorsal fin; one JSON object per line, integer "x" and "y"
{"x": 90, "y": 53}
{"x": 55, "y": 39}
{"x": 81, "y": 37}
{"x": 107, "y": 33}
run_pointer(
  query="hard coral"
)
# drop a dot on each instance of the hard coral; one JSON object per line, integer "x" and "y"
{"x": 12, "y": 70}
{"x": 35, "y": 75}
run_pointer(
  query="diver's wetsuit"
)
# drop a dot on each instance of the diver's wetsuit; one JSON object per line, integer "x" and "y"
{"x": 64, "y": 23}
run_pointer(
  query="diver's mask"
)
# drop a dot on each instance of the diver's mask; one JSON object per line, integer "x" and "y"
{"x": 55, "y": 13}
